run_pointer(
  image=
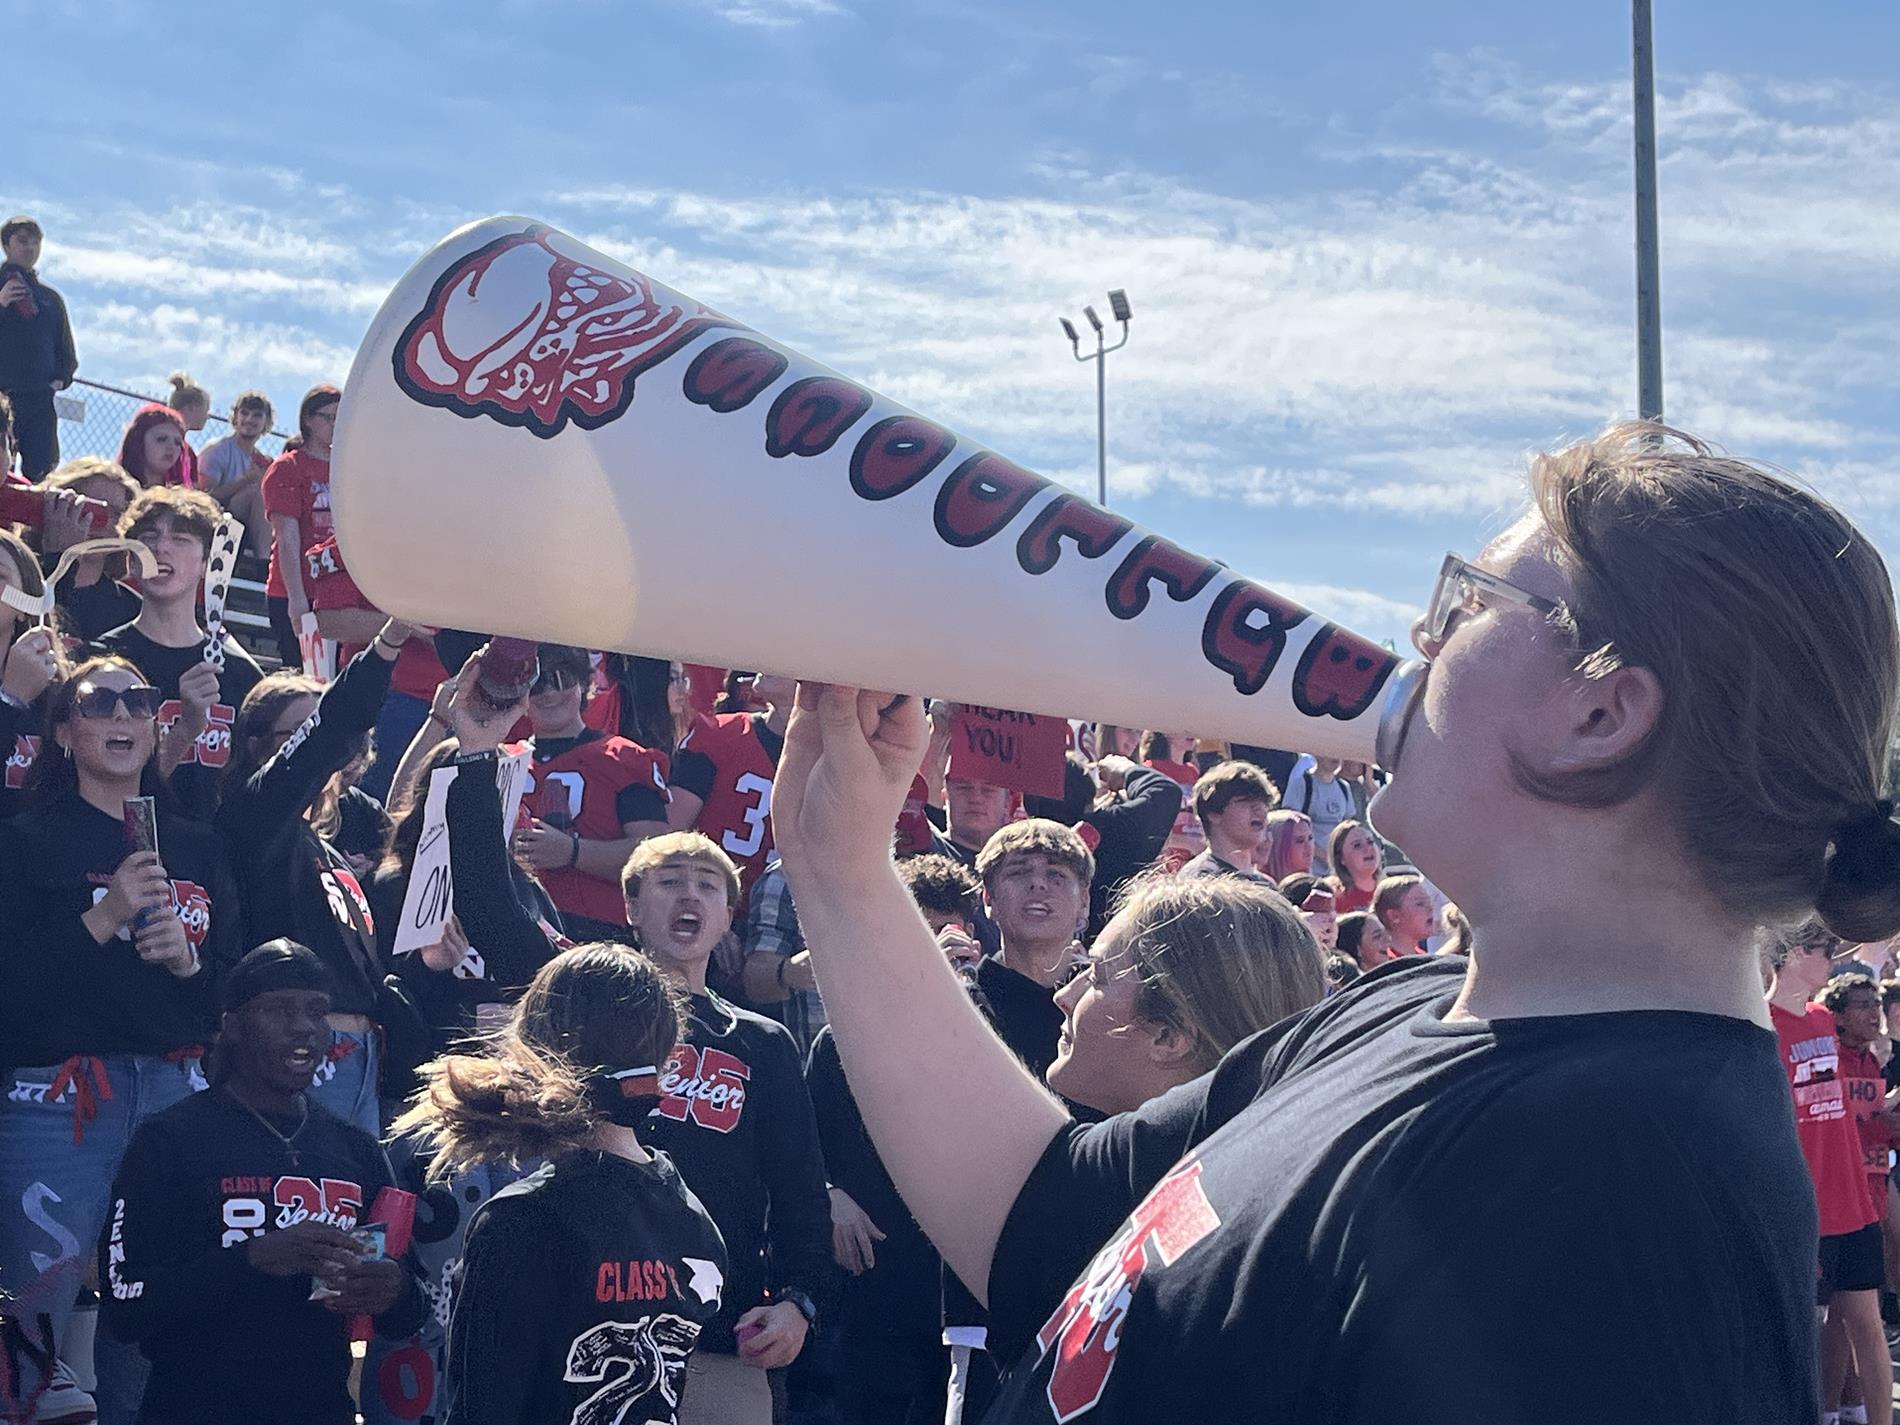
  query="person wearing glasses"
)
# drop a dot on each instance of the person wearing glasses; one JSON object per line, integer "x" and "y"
{"x": 1558, "y": 1180}
{"x": 108, "y": 993}
{"x": 593, "y": 798}
{"x": 292, "y": 735}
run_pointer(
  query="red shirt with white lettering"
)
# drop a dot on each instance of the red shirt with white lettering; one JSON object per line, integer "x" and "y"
{"x": 1830, "y": 1140}
{"x": 1865, "y": 1083}
{"x": 297, "y": 485}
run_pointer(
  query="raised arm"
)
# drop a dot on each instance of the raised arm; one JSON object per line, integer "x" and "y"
{"x": 904, "y": 1025}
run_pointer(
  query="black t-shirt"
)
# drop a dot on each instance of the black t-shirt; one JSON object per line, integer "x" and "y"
{"x": 1025, "y": 1013}
{"x": 194, "y": 782}
{"x": 226, "y": 1341}
{"x": 583, "y": 1289}
{"x": 737, "y": 1122}
{"x": 898, "y": 1297}
{"x": 1369, "y": 1215}
{"x": 92, "y": 609}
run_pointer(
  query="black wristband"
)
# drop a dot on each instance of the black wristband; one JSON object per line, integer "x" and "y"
{"x": 807, "y": 1308}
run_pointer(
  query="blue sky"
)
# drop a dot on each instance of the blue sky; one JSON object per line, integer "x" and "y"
{"x": 1377, "y": 251}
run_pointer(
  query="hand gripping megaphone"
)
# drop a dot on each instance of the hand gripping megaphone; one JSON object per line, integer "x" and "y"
{"x": 537, "y": 440}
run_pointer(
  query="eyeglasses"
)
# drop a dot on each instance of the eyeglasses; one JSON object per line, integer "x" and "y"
{"x": 139, "y": 701}
{"x": 556, "y": 680}
{"x": 1463, "y": 588}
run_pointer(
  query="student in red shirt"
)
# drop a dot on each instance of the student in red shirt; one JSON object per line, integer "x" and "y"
{"x": 721, "y": 778}
{"x": 1852, "y": 1269}
{"x": 297, "y": 500}
{"x": 345, "y": 616}
{"x": 1855, "y": 1002}
{"x": 593, "y": 798}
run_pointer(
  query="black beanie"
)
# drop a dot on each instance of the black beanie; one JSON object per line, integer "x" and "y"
{"x": 275, "y": 965}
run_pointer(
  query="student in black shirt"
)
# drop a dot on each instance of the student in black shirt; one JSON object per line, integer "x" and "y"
{"x": 291, "y": 736}
{"x": 585, "y": 1286}
{"x": 232, "y": 1205}
{"x": 735, "y": 1116}
{"x": 169, "y": 645}
{"x": 1036, "y": 876}
{"x": 1558, "y": 1181}
{"x": 501, "y": 935}
{"x": 108, "y": 983}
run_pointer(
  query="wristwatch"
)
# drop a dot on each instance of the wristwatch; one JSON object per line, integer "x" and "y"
{"x": 806, "y": 1306}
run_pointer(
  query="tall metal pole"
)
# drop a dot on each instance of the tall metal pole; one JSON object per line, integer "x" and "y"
{"x": 1649, "y": 384}
{"x": 1101, "y": 421}
{"x": 1118, "y": 304}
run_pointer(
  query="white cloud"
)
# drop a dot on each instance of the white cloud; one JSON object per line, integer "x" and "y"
{"x": 770, "y": 14}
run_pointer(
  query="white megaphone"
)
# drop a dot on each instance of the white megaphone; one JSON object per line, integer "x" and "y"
{"x": 538, "y": 441}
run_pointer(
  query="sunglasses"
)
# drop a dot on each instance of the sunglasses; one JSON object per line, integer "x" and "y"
{"x": 139, "y": 701}
{"x": 1465, "y": 589}
{"x": 556, "y": 680}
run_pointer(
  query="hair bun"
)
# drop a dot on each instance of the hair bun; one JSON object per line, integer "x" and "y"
{"x": 1860, "y": 889}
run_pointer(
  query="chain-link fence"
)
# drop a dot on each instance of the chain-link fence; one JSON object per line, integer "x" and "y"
{"x": 93, "y": 418}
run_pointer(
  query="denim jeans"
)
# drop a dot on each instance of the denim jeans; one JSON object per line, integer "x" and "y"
{"x": 345, "y": 1083}
{"x": 64, "y": 1129}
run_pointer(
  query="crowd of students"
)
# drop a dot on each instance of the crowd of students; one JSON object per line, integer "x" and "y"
{"x": 1072, "y": 920}
{"x": 714, "y": 1109}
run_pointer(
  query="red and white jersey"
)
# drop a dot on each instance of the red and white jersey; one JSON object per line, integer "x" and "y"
{"x": 728, "y": 761}
{"x": 592, "y": 786}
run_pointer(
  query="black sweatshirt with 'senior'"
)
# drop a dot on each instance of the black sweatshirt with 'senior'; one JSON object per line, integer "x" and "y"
{"x": 737, "y": 1122}
{"x": 226, "y": 1341}
{"x": 61, "y": 992}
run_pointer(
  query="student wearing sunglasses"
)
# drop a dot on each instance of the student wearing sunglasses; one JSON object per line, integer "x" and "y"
{"x": 593, "y": 798}
{"x": 108, "y": 987}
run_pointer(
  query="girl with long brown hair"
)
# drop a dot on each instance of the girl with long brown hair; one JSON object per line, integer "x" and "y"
{"x": 584, "y": 1286}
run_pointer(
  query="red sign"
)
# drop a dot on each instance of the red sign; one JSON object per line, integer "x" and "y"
{"x": 1016, "y": 750}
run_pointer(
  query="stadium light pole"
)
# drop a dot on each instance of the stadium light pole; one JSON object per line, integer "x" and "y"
{"x": 1119, "y": 310}
{"x": 1649, "y": 387}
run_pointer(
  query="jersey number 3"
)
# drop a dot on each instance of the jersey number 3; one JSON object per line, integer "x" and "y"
{"x": 751, "y": 784}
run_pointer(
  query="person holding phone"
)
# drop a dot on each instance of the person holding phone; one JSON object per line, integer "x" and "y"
{"x": 37, "y": 356}
{"x": 237, "y": 1247}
